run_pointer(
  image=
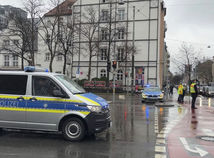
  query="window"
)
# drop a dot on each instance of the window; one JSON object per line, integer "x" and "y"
{"x": 72, "y": 86}
{"x": 47, "y": 38}
{"x": 120, "y": 53}
{"x": 16, "y": 42}
{"x": 121, "y": 33}
{"x": 103, "y": 73}
{"x": 47, "y": 56}
{"x": 119, "y": 75}
{"x": 15, "y": 61}
{"x": 6, "y": 43}
{"x": 104, "y": 1}
{"x": 104, "y": 15}
{"x": 59, "y": 57}
{"x": 121, "y": 14}
{"x": 104, "y": 34}
{"x": 13, "y": 84}
{"x": 7, "y": 60}
{"x": 44, "y": 86}
{"x": 103, "y": 54}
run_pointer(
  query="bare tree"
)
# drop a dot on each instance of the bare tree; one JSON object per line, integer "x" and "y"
{"x": 186, "y": 60}
{"x": 49, "y": 30}
{"x": 66, "y": 42}
{"x": 17, "y": 34}
{"x": 89, "y": 31}
{"x": 33, "y": 8}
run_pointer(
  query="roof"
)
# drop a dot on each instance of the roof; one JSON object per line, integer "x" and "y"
{"x": 62, "y": 9}
{"x": 27, "y": 73}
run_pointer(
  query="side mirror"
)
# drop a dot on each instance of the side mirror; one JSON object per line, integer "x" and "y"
{"x": 58, "y": 93}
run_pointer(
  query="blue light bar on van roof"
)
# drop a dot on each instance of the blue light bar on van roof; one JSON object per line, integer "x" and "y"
{"x": 34, "y": 69}
{"x": 148, "y": 85}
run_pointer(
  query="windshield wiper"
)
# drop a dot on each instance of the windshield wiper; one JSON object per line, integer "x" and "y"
{"x": 79, "y": 93}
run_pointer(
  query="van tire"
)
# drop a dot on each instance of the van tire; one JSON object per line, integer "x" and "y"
{"x": 73, "y": 129}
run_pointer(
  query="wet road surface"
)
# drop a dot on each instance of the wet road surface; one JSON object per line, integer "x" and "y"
{"x": 132, "y": 135}
{"x": 186, "y": 140}
{"x": 138, "y": 131}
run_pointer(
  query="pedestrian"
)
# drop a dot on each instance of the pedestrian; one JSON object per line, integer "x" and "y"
{"x": 180, "y": 93}
{"x": 184, "y": 92}
{"x": 194, "y": 93}
{"x": 171, "y": 89}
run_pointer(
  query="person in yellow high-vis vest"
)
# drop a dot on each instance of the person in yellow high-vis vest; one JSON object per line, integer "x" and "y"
{"x": 194, "y": 93}
{"x": 180, "y": 93}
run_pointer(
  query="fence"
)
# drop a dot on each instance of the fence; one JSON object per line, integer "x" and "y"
{"x": 102, "y": 84}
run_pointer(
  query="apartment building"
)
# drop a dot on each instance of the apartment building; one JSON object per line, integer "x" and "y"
{"x": 139, "y": 23}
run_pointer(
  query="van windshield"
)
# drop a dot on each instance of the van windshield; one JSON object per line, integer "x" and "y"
{"x": 71, "y": 85}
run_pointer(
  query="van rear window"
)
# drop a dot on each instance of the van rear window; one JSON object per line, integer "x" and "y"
{"x": 13, "y": 84}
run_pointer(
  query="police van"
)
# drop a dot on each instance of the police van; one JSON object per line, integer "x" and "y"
{"x": 45, "y": 101}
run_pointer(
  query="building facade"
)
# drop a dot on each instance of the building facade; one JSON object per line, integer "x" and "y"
{"x": 124, "y": 24}
{"x": 106, "y": 31}
{"x": 9, "y": 60}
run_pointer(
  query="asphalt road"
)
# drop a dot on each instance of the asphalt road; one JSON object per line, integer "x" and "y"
{"x": 135, "y": 133}
{"x": 131, "y": 136}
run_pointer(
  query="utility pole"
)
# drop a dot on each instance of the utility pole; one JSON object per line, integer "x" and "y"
{"x": 133, "y": 43}
{"x": 109, "y": 45}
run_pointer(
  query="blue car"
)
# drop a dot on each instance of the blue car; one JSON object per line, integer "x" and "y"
{"x": 152, "y": 94}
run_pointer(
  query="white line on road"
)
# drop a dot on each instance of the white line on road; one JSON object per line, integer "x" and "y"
{"x": 208, "y": 132}
{"x": 161, "y": 149}
{"x": 197, "y": 150}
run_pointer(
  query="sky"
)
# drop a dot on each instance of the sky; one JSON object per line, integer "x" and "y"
{"x": 190, "y": 21}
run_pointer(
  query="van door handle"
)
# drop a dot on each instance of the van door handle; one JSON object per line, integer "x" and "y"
{"x": 21, "y": 98}
{"x": 33, "y": 99}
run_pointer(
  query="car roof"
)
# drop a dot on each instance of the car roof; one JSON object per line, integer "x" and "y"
{"x": 28, "y": 73}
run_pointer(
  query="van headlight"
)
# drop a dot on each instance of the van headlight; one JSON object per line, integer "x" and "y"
{"x": 144, "y": 96}
{"x": 94, "y": 108}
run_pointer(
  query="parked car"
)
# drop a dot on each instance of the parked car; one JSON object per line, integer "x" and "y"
{"x": 210, "y": 91}
{"x": 152, "y": 94}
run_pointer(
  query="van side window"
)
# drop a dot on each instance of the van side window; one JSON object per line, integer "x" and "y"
{"x": 13, "y": 84}
{"x": 44, "y": 86}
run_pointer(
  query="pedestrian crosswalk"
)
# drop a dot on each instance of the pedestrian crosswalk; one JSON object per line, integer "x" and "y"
{"x": 161, "y": 133}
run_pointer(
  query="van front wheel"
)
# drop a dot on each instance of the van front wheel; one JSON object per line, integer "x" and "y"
{"x": 73, "y": 129}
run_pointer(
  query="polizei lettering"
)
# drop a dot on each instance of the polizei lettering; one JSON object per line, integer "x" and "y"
{"x": 8, "y": 103}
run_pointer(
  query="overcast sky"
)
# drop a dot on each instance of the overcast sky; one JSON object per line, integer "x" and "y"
{"x": 190, "y": 21}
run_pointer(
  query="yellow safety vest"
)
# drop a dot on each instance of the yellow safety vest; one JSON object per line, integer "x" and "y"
{"x": 180, "y": 89}
{"x": 192, "y": 89}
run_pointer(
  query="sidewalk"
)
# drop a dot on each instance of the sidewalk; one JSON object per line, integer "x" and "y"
{"x": 185, "y": 138}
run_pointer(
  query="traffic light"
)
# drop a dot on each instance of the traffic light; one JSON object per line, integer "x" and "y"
{"x": 114, "y": 64}
{"x": 108, "y": 66}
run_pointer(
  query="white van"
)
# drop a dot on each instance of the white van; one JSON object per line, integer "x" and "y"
{"x": 50, "y": 102}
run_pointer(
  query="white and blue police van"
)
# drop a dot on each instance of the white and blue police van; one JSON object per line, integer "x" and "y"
{"x": 44, "y": 101}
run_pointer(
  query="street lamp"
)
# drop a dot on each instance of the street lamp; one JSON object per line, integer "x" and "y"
{"x": 121, "y": 2}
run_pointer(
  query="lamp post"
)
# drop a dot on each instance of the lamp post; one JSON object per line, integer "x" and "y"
{"x": 133, "y": 44}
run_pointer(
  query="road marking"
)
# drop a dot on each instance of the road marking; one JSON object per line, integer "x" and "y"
{"x": 160, "y": 141}
{"x": 160, "y": 156}
{"x": 122, "y": 97}
{"x": 161, "y": 136}
{"x": 161, "y": 149}
{"x": 197, "y": 150}
{"x": 208, "y": 132}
